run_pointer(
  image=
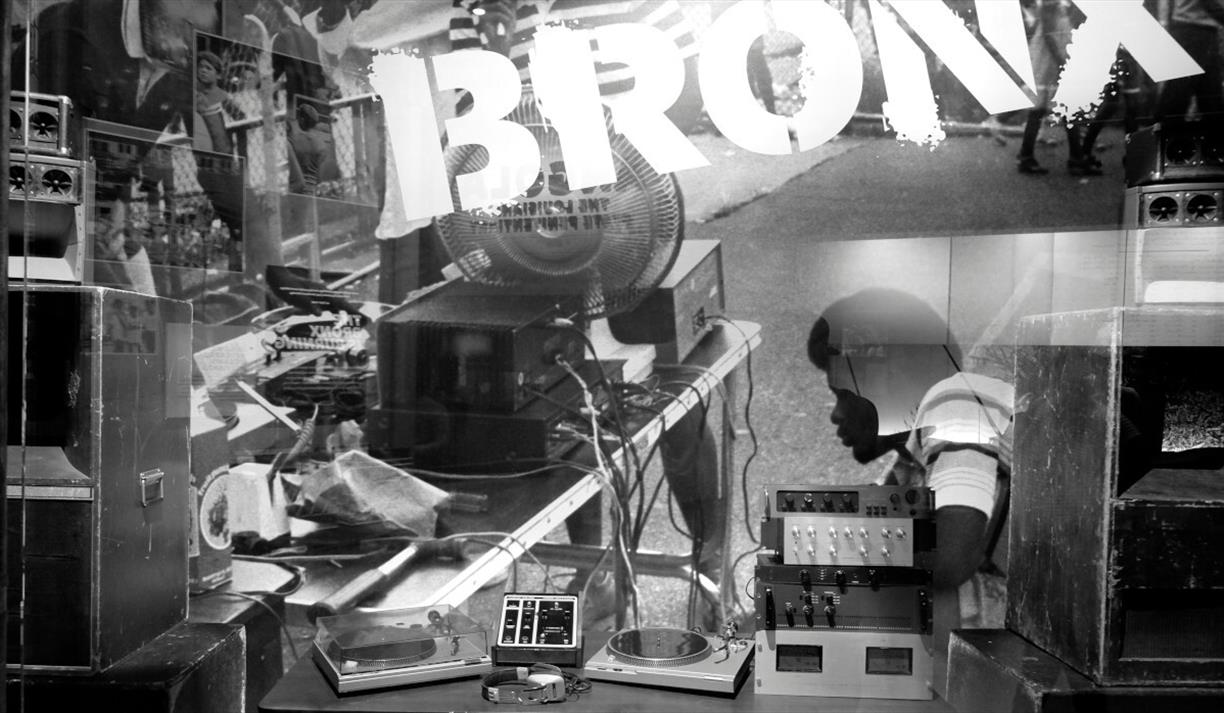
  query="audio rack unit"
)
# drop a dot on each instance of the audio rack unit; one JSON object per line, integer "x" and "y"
{"x": 844, "y": 602}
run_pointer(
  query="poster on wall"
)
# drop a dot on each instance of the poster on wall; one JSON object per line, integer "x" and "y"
{"x": 119, "y": 61}
{"x": 164, "y": 218}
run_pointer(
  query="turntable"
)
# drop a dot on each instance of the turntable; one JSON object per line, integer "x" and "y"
{"x": 364, "y": 651}
{"x": 673, "y": 658}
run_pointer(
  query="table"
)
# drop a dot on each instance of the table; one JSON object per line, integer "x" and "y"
{"x": 528, "y": 517}
{"x": 304, "y": 689}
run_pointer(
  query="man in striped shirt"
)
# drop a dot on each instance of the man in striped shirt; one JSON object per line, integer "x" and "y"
{"x": 901, "y": 392}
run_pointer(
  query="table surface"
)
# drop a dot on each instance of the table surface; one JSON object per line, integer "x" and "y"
{"x": 517, "y": 506}
{"x": 305, "y": 689}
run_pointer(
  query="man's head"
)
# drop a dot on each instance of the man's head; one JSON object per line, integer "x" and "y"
{"x": 167, "y": 27}
{"x": 208, "y": 68}
{"x": 880, "y": 350}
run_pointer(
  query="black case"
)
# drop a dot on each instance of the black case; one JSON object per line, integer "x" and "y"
{"x": 104, "y": 500}
{"x": 1114, "y": 566}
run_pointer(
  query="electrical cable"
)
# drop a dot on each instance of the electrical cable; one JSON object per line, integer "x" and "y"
{"x": 256, "y": 596}
{"x": 752, "y": 537}
{"x": 622, "y": 548}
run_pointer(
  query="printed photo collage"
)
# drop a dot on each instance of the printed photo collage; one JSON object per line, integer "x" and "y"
{"x": 220, "y": 142}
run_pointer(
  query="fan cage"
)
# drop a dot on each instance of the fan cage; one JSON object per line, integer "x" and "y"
{"x": 613, "y": 243}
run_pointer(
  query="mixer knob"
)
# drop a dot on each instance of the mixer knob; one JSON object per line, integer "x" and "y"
{"x": 795, "y": 532}
{"x": 885, "y": 533}
{"x": 863, "y": 550}
{"x": 900, "y": 533}
{"x": 884, "y": 551}
{"x": 811, "y": 532}
{"x": 832, "y": 532}
{"x": 848, "y": 533}
{"x": 863, "y": 532}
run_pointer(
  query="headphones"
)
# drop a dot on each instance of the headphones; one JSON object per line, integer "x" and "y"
{"x": 528, "y": 685}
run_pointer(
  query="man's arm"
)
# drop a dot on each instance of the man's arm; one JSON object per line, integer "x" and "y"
{"x": 964, "y": 481}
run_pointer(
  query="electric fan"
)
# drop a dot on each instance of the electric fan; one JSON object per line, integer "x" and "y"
{"x": 611, "y": 244}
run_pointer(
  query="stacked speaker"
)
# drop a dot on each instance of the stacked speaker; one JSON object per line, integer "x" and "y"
{"x": 843, "y": 602}
{"x": 46, "y": 189}
{"x": 98, "y": 385}
{"x": 1174, "y": 213}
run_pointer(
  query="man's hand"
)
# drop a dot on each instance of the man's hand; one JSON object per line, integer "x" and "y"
{"x": 495, "y": 19}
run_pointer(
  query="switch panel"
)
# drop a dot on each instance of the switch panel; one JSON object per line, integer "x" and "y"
{"x": 847, "y": 541}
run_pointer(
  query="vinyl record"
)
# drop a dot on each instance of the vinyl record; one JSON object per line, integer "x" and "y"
{"x": 659, "y": 647}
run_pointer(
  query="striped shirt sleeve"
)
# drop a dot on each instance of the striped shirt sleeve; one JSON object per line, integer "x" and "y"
{"x": 961, "y": 435}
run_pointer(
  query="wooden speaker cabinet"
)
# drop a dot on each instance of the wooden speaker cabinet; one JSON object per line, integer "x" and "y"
{"x": 97, "y": 498}
{"x": 1117, "y": 520}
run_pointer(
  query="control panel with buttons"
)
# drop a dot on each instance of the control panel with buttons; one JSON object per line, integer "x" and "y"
{"x": 883, "y": 600}
{"x": 849, "y": 541}
{"x": 539, "y": 628}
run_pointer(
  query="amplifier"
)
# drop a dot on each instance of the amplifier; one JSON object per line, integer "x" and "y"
{"x": 850, "y": 664}
{"x": 100, "y": 489}
{"x": 1117, "y": 504}
{"x": 875, "y": 525}
{"x": 1174, "y": 151}
{"x": 865, "y": 500}
{"x": 676, "y": 315}
{"x": 457, "y": 440}
{"x": 470, "y": 346}
{"x": 843, "y": 599}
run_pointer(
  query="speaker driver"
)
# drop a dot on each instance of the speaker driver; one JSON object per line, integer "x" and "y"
{"x": 17, "y": 179}
{"x": 1163, "y": 209}
{"x": 1202, "y": 208}
{"x": 57, "y": 182}
{"x": 1180, "y": 150}
{"x": 1213, "y": 149}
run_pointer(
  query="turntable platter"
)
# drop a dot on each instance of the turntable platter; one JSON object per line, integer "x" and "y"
{"x": 659, "y": 647}
{"x": 380, "y": 646}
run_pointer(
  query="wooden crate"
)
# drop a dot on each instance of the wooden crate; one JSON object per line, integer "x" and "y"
{"x": 1123, "y": 581}
{"x": 192, "y": 668}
